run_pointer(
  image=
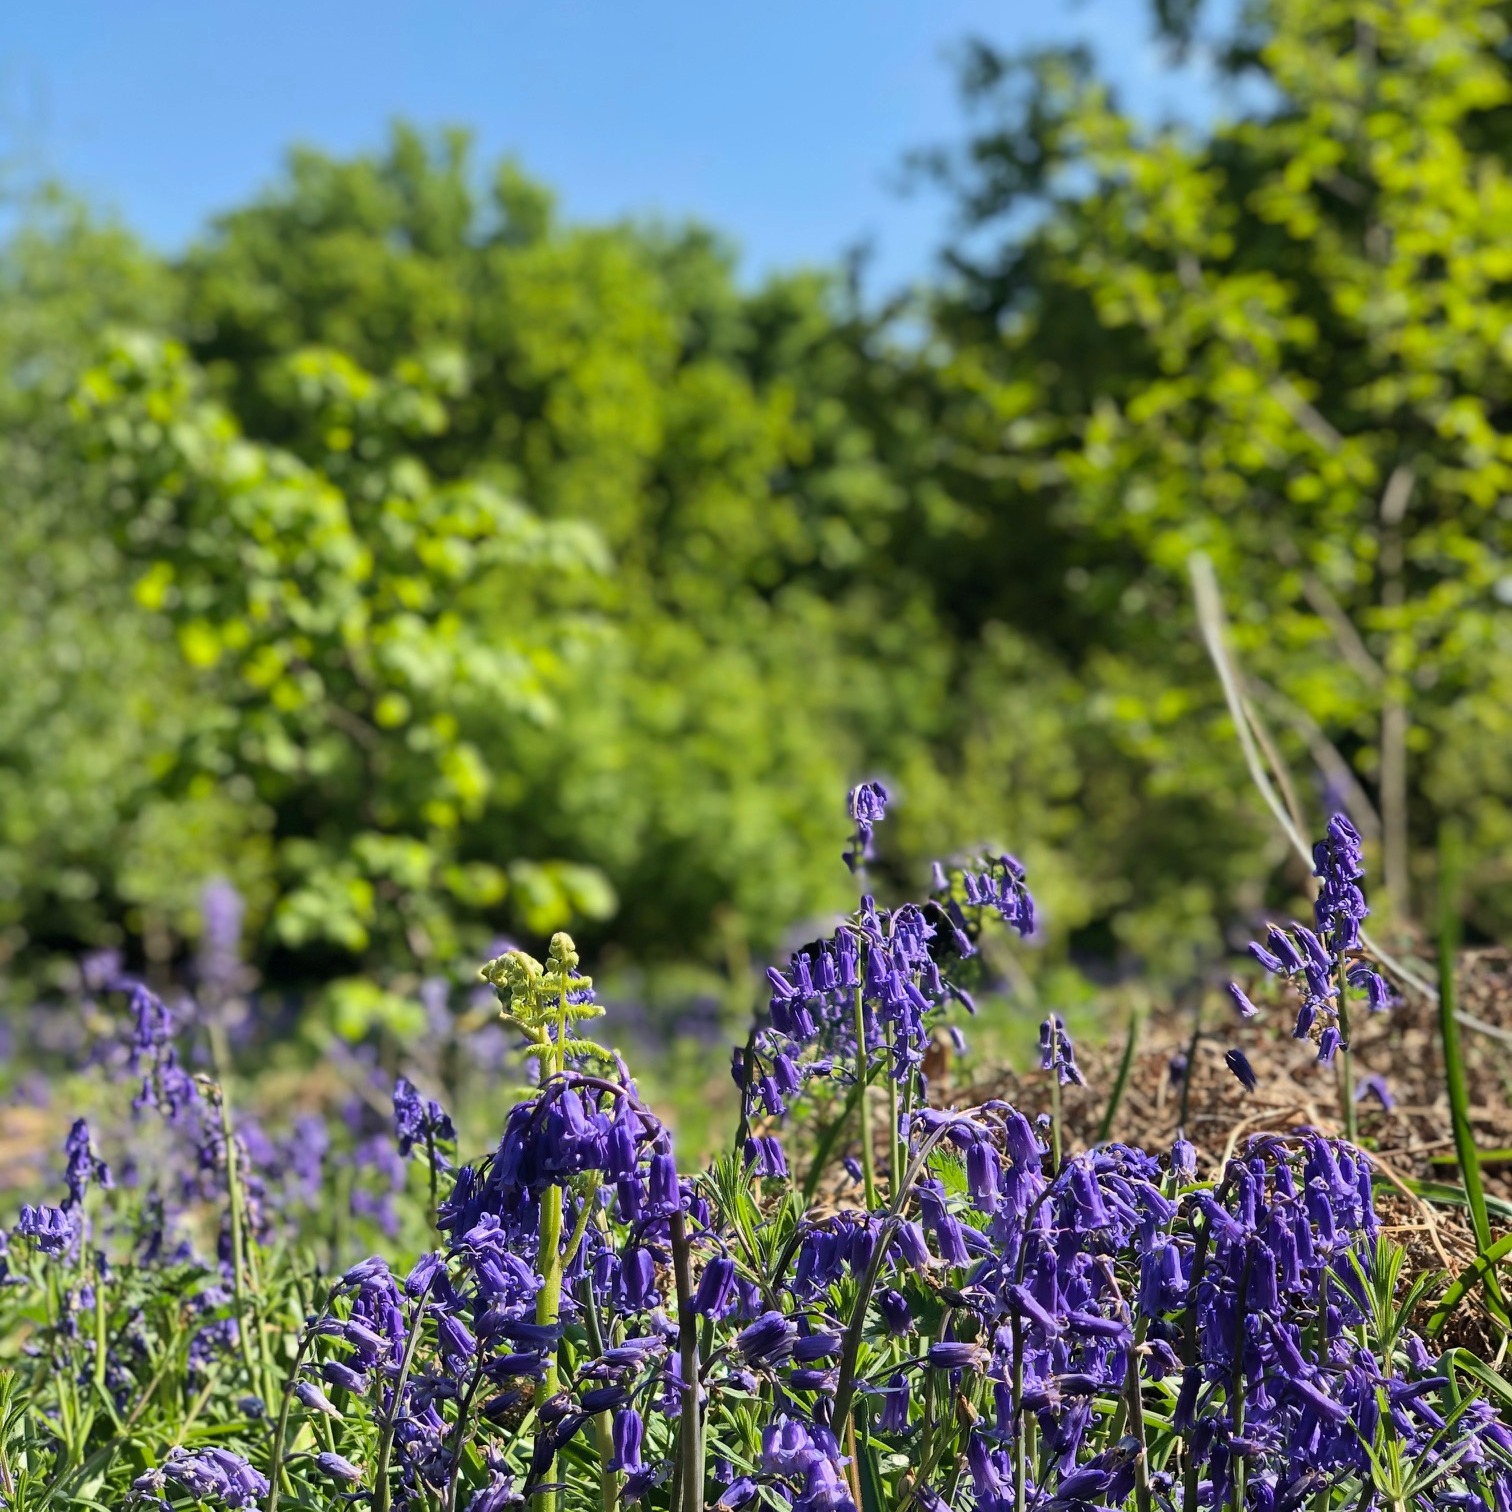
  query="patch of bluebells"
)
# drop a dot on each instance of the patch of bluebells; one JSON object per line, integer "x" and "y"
{"x": 1001, "y": 1329}
{"x": 1322, "y": 962}
{"x": 873, "y": 995}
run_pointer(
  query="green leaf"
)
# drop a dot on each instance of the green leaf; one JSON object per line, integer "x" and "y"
{"x": 1494, "y": 1383}
{"x": 1448, "y": 1195}
{"x": 1121, "y": 1081}
{"x": 1450, "y": 849}
{"x": 1476, "y": 1271}
{"x": 826, "y": 1144}
{"x": 874, "y": 1496}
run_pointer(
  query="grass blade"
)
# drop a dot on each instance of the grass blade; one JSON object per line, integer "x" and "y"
{"x": 1450, "y": 854}
{"x": 1486, "y": 1157}
{"x": 825, "y": 1145}
{"x": 1446, "y": 1194}
{"x": 1121, "y": 1081}
{"x": 1476, "y": 1271}
{"x": 1495, "y": 1385}
{"x": 874, "y": 1496}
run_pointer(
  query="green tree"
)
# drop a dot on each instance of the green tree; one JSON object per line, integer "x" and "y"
{"x": 1280, "y": 342}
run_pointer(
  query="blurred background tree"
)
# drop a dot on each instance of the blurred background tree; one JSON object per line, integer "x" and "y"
{"x": 434, "y": 567}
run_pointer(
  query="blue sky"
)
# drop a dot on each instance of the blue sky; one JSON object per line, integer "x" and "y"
{"x": 783, "y": 124}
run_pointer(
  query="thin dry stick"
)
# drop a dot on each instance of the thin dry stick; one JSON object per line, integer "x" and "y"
{"x": 1394, "y": 717}
{"x": 1264, "y": 1116}
{"x": 1210, "y": 620}
{"x": 1323, "y": 751}
{"x": 1422, "y": 1203}
{"x": 1277, "y": 765}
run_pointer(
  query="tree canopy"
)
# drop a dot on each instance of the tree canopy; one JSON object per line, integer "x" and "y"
{"x": 435, "y": 567}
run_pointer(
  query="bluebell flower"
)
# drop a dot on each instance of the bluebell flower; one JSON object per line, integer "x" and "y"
{"x": 330, "y": 1463}
{"x": 764, "y": 1155}
{"x": 211, "y": 1474}
{"x": 311, "y": 1396}
{"x": 628, "y": 1434}
{"x": 715, "y": 1286}
{"x": 767, "y": 1341}
{"x": 1238, "y": 1062}
{"x": 1246, "y": 1009}
{"x": 337, "y": 1374}
{"x": 84, "y": 1165}
{"x": 1057, "y": 1052}
{"x": 53, "y": 1230}
{"x": 895, "y": 1311}
{"x": 893, "y": 1417}
{"x": 419, "y": 1121}
{"x": 867, "y": 806}
{"x": 952, "y": 1354}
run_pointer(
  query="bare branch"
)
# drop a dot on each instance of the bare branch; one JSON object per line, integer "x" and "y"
{"x": 1325, "y": 753}
{"x": 1351, "y": 647}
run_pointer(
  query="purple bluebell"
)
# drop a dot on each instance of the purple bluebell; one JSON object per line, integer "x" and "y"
{"x": 953, "y": 1354}
{"x": 1242, "y": 1004}
{"x": 419, "y": 1121}
{"x": 311, "y": 1396}
{"x": 767, "y": 1341}
{"x": 211, "y": 1474}
{"x": 893, "y": 1306}
{"x": 715, "y": 1286}
{"x": 1238, "y": 1062}
{"x": 866, "y": 805}
{"x": 1057, "y": 1053}
{"x": 328, "y": 1462}
{"x": 628, "y": 1434}
{"x": 53, "y": 1230}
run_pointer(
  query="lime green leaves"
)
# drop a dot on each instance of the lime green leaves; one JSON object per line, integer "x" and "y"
{"x": 544, "y": 1002}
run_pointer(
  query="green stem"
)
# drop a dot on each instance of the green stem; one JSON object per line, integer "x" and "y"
{"x": 548, "y": 1307}
{"x": 863, "y": 1076}
{"x": 99, "y": 1325}
{"x": 602, "y": 1427}
{"x": 1346, "y": 1056}
{"x": 1450, "y": 845}
{"x": 895, "y": 1141}
{"x": 381, "y": 1496}
{"x": 1236, "y": 1388}
{"x": 1189, "y": 1352}
{"x": 281, "y": 1428}
{"x": 690, "y": 1433}
{"x": 459, "y": 1435}
{"x": 430, "y": 1157}
{"x": 238, "y": 1237}
{"x": 1135, "y": 1399}
{"x": 899, "y": 1105}
{"x": 1020, "y": 1443}
{"x": 549, "y": 1244}
{"x": 1121, "y": 1083}
{"x": 850, "y": 1350}
{"x": 1055, "y": 1096}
